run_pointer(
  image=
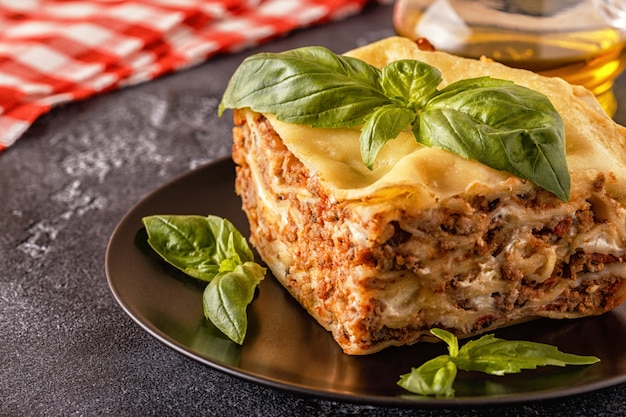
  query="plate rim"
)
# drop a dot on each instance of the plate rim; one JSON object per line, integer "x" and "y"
{"x": 408, "y": 401}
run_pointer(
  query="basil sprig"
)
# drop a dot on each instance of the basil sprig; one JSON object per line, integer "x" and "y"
{"x": 213, "y": 250}
{"x": 496, "y": 122}
{"x": 488, "y": 354}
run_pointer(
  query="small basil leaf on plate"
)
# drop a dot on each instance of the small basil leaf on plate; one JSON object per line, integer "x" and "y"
{"x": 451, "y": 340}
{"x": 487, "y": 354}
{"x": 227, "y": 296}
{"x": 199, "y": 246}
{"x": 498, "y": 356}
{"x": 434, "y": 377}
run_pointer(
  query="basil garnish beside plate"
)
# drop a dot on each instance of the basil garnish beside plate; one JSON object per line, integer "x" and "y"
{"x": 211, "y": 249}
{"x": 488, "y": 354}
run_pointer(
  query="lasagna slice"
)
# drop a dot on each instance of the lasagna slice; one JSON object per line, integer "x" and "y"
{"x": 426, "y": 238}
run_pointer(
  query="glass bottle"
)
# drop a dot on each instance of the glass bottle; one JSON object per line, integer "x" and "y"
{"x": 582, "y": 41}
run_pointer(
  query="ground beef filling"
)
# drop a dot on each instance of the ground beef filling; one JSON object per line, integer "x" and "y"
{"x": 468, "y": 232}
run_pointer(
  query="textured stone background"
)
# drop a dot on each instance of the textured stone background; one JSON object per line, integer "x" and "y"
{"x": 67, "y": 348}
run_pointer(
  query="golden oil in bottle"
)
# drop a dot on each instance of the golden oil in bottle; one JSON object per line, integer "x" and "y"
{"x": 582, "y": 41}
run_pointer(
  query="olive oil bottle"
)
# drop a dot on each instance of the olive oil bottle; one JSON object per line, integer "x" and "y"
{"x": 582, "y": 41}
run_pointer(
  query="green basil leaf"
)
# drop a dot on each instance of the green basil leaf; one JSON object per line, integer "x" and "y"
{"x": 451, "y": 340}
{"x": 199, "y": 246}
{"x": 503, "y": 125}
{"x": 227, "y": 297}
{"x": 496, "y": 122}
{"x": 411, "y": 82}
{"x": 434, "y": 377}
{"x": 310, "y": 86}
{"x": 498, "y": 357}
{"x": 487, "y": 354}
{"x": 385, "y": 123}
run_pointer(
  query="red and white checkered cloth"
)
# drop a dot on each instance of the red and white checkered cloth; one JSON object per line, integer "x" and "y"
{"x": 56, "y": 51}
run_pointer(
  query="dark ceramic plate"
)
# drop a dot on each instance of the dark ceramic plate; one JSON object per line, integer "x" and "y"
{"x": 285, "y": 348}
